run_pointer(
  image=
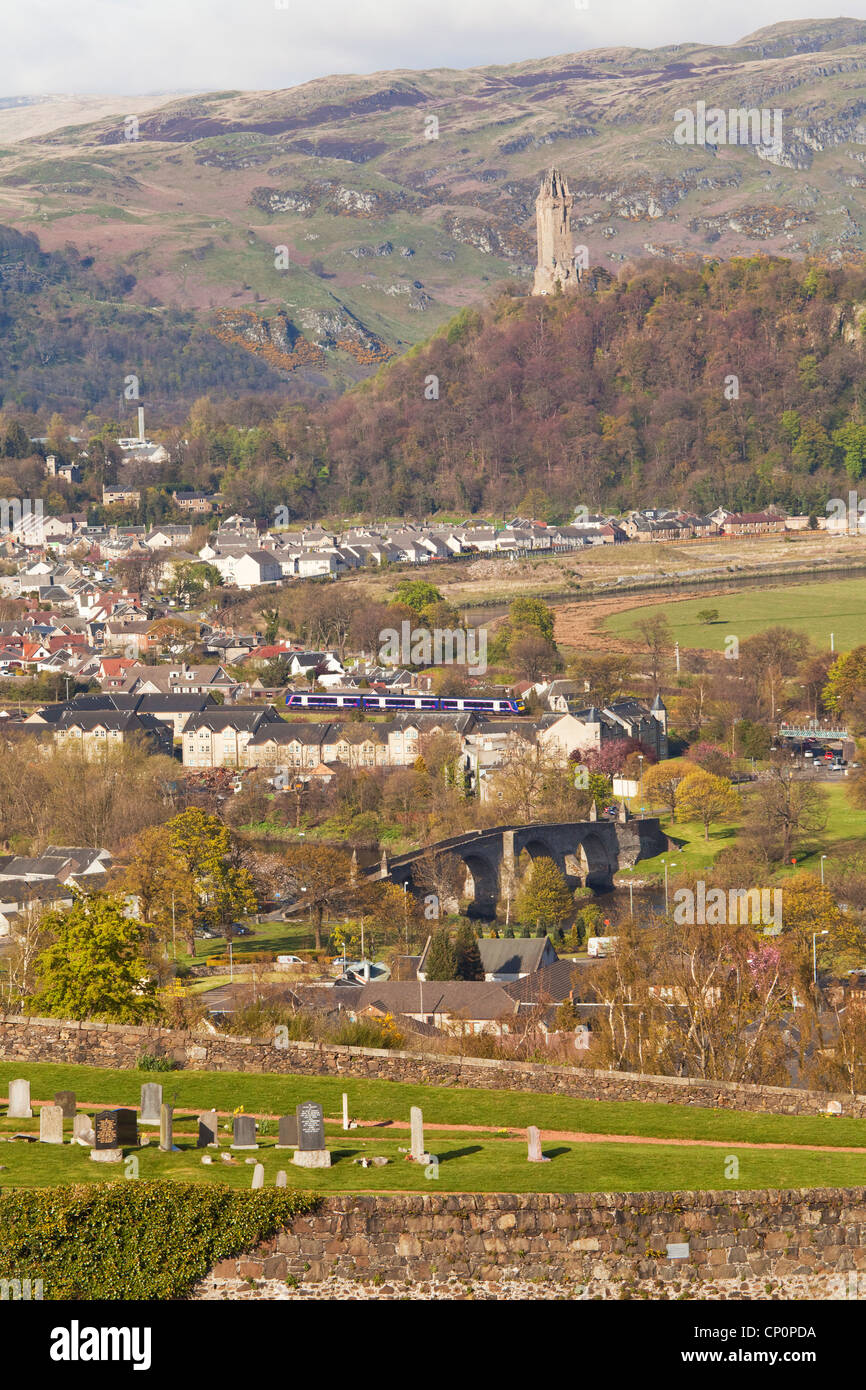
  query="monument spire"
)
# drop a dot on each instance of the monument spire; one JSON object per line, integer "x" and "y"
{"x": 556, "y": 262}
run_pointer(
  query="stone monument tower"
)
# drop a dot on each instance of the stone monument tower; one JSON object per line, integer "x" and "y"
{"x": 556, "y": 263}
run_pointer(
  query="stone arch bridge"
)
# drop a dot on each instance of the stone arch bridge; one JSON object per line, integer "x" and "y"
{"x": 588, "y": 853}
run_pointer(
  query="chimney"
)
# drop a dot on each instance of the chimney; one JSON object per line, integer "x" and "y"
{"x": 141, "y": 423}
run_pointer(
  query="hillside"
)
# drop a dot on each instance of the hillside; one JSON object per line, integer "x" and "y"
{"x": 387, "y": 232}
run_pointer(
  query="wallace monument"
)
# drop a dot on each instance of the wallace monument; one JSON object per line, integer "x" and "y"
{"x": 556, "y": 261}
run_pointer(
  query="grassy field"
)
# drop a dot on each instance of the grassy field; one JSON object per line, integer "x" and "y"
{"x": 815, "y": 609}
{"x": 467, "y": 1163}
{"x": 273, "y": 1095}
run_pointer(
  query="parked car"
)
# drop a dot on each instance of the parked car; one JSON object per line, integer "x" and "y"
{"x": 241, "y": 931}
{"x": 289, "y": 960}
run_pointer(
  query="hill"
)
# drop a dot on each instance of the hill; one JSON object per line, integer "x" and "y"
{"x": 327, "y": 227}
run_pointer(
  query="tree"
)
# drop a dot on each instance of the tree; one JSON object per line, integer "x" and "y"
{"x": 544, "y": 899}
{"x": 417, "y": 594}
{"x": 846, "y": 681}
{"x": 469, "y": 965}
{"x": 532, "y": 656}
{"x": 441, "y": 962}
{"x": 769, "y": 658}
{"x": 322, "y": 879}
{"x": 191, "y": 578}
{"x": 210, "y": 856}
{"x": 708, "y": 615}
{"x": 166, "y": 893}
{"x": 704, "y": 797}
{"x": 604, "y": 676}
{"x": 531, "y": 616}
{"x": 655, "y": 633}
{"x": 94, "y": 967}
{"x": 661, "y": 782}
{"x": 783, "y": 811}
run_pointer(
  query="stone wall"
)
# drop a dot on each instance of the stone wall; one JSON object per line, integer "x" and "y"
{"x": 582, "y": 1238}
{"x": 112, "y": 1045}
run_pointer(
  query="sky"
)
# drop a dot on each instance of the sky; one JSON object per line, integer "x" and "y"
{"x": 144, "y": 46}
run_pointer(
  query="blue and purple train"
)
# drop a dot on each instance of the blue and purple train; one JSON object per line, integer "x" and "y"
{"x": 361, "y": 700}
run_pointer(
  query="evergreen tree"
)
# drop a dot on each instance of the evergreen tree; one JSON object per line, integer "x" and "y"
{"x": 469, "y": 965}
{"x": 442, "y": 957}
{"x": 544, "y": 899}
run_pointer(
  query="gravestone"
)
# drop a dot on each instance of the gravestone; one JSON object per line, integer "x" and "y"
{"x": 51, "y": 1124}
{"x": 288, "y": 1135}
{"x": 258, "y": 1176}
{"x": 244, "y": 1132}
{"x": 116, "y": 1129}
{"x": 151, "y": 1103}
{"x": 311, "y": 1151}
{"x": 345, "y": 1111}
{"x": 66, "y": 1101}
{"x": 535, "y": 1155}
{"x": 19, "y": 1100}
{"x": 416, "y": 1143}
{"x": 282, "y": 1178}
{"x": 82, "y": 1131}
{"x": 834, "y": 1107}
{"x": 166, "y": 1128}
{"x": 208, "y": 1130}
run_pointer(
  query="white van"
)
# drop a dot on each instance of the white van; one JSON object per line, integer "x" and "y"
{"x": 601, "y": 945}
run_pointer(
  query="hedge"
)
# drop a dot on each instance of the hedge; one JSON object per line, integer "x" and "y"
{"x": 135, "y": 1239}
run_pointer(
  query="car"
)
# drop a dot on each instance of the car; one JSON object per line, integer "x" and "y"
{"x": 241, "y": 931}
{"x": 289, "y": 960}
{"x": 808, "y": 753}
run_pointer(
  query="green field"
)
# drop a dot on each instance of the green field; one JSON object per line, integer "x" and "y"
{"x": 471, "y": 1159}
{"x": 815, "y": 609}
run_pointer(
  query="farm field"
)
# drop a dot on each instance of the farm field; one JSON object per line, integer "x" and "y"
{"x": 815, "y": 609}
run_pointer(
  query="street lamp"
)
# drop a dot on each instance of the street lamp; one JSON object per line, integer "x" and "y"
{"x": 640, "y": 787}
{"x": 823, "y": 857}
{"x": 815, "y": 935}
{"x": 673, "y": 866}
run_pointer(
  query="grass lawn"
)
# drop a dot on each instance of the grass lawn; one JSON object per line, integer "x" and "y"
{"x": 815, "y": 609}
{"x": 466, "y": 1164}
{"x": 390, "y": 1100}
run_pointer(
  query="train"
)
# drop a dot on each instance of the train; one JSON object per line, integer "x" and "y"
{"x": 361, "y": 700}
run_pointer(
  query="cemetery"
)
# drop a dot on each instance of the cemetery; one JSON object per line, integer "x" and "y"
{"x": 79, "y": 1125}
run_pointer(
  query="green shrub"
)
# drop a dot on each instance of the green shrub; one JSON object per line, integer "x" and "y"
{"x": 134, "y": 1240}
{"x": 147, "y": 1062}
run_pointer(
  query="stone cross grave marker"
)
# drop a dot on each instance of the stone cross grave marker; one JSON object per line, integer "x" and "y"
{"x": 19, "y": 1100}
{"x": 51, "y": 1124}
{"x": 416, "y": 1143}
{"x": 66, "y": 1101}
{"x": 166, "y": 1128}
{"x": 258, "y": 1176}
{"x": 288, "y": 1135}
{"x": 208, "y": 1130}
{"x": 535, "y": 1155}
{"x": 151, "y": 1103}
{"x": 244, "y": 1132}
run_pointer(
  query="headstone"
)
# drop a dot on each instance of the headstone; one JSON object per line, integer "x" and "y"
{"x": 288, "y": 1135}
{"x": 416, "y": 1144}
{"x": 82, "y": 1131}
{"x": 834, "y": 1107}
{"x": 166, "y": 1127}
{"x": 244, "y": 1132}
{"x": 345, "y": 1111}
{"x": 19, "y": 1100}
{"x": 311, "y": 1125}
{"x": 51, "y": 1124}
{"x": 116, "y": 1129}
{"x": 151, "y": 1103}
{"x": 206, "y": 1158}
{"x": 66, "y": 1101}
{"x": 678, "y": 1250}
{"x": 208, "y": 1130}
{"x": 282, "y": 1178}
{"x": 258, "y": 1176}
{"x": 311, "y": 1151}
{"x": 535, "y": 1155}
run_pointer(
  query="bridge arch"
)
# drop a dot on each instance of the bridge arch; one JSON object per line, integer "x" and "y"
{"x": 594, "y": 860}
{"x": 482, "y": 878}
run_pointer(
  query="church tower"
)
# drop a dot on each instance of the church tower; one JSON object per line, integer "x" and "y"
{"x": 556, "y": 263}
